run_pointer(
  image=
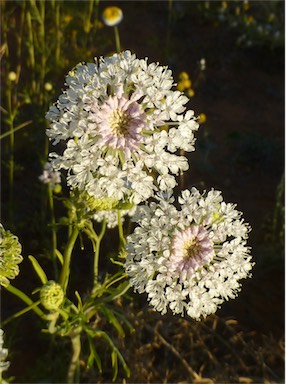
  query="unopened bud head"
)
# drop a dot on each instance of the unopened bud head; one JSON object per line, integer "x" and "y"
{"x": 51, "y": 295}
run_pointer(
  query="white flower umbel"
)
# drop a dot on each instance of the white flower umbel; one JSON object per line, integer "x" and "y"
{"x": 121, "y": 124}
{"x": 192, "y": 259}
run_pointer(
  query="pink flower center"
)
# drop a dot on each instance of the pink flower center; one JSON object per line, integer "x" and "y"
{"x": 120, "y": 123}
{"x": 191, "y": 249}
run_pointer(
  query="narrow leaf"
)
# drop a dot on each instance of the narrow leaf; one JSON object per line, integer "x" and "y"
{"x": 26, "y": 299}
{"x": 40, "y": 272}
{"x": 114, "y": 360}
{"x": 112, "y": 319}
{"x": 22, "y": 312}
{"x": 79, "y": 300}
{"x": 93, "y": 355}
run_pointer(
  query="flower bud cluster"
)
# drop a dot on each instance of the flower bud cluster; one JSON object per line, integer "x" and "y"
{"x": 10, "y": 256}
{"x": 51, "y": 295}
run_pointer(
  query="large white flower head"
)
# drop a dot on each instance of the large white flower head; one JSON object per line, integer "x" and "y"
{"x": 188, "y": 260}
{"x": 122, "y": 125}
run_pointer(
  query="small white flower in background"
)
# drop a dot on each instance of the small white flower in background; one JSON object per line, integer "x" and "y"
{"x": 112, "y": 16}
{"x": 202, "y": 64}
{"x": 4, "y": 365}
{"x": 188, "y": 260}
{"x": 50, "y": 176}
{"x": 122, "y": 125}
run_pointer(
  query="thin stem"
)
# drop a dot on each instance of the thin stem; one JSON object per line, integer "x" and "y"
{"x": 64, "y": 276}
{"x": 43, "y": 49}
{"x": 122, "y": 240}
{"x": 58, "y": 33}
{"x": 87, "y": 21}
{"x": 19, "y": 39}
{"x": 11, "y": 159}
{"x": 54, "y": 234}
{"x": 73, "y": 372}
{"x": 117, "y": 39}
{"x": 96, "y": 240}
{"x": 30, "y": 43}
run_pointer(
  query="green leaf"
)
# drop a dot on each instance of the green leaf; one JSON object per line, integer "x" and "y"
{"x": 24, "y": 310}
{"x": 93, "y": 355}
{"x": 119, "y": 291}
{"x": 112, "y": 319}
{"x": 40, "y": 272}
{"x": 79, "y": 300}
{"x": 26, "y": 299}
{"x": 114, "y": 360}
{"x": 105, "y": 336}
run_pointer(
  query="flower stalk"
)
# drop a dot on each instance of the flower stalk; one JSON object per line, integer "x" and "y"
{"x": 95, "y": 240}
{"x": 65, "y": 272}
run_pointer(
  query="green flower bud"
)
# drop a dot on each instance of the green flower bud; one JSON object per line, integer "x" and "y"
{"x": 51, "y": 295}
{"x": 10, "y": 256}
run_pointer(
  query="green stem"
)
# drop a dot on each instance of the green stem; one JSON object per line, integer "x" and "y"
{"x": 58, "y": 33}
{"x": 73, "y": 372}
{"x": 54, "y": 234}
{"x": 43, "y": 49}
{"x": 96, "y": 240}
{"x": 11, "y": 159}
{"x": 64, "y": 276}
{"x": 30, "y": 43}
{"x": 117, "y": 39}
{"x": 122, "y": 240}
